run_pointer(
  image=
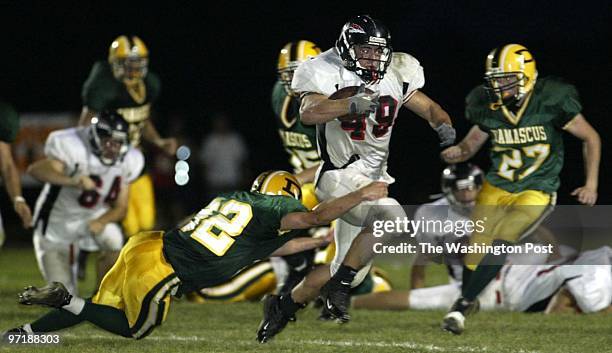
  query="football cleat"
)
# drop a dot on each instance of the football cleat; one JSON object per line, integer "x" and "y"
{"x": 454, "y": 322}
{"x": 54, "y": 295}
{"x": 465, "y": 306}
{"x": 274, "y": 320}
{"x": 336, "y": 298}
{"x": 17, "y": 331}
{"x": 325, "y": 315}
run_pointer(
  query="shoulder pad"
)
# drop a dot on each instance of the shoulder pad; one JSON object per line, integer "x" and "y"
{"x": 405, "y": 66}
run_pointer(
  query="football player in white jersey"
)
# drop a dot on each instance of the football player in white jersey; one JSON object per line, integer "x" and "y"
{"x": 353, "y": 93}
{"x": 86, "y": 171}
{"x": 582, "y": 286}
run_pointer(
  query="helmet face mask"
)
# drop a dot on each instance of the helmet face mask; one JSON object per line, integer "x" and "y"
{"x": 109, "y": 137}
{"x": 510, "y": 75}
{"x": 286, "y": 76}
{"x": 365, "y": 48}
{"x": 131, "y": 68}
{"x": 371, "y": 60}
{"x": 290, "y": 57}
{"x": 461, "y": 184}
{"x": 129, "y": 59}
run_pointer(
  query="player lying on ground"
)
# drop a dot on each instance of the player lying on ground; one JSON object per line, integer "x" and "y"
{"x": 583, "y": 286}
{"x": 233, "y": 231}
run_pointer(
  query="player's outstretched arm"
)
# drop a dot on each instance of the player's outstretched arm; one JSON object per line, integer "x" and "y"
{"x": 438, "y": 118}
{"x": 467, "y": 148}
{"x": 580, "y": 127}
{"x": 327, "y": 211}
{"x": 300, "y": 244}
{"x": 52, "y": 171}
{"x": 10, "y": 176}
{"x": 168, "y": 145}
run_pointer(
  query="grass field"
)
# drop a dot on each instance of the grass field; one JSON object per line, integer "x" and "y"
{"x": 231, "y": 328}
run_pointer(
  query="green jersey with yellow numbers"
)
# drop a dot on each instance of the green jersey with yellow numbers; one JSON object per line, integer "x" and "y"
{"x": 527, "y": 146}
{"x": 9, "y": 123}
{"x": 233, "y": 231}
{"x": 103, "y": 91}
{"x": 298, "y": 139}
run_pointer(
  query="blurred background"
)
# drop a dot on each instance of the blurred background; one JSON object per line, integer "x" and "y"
{"x": 218, "y": 61}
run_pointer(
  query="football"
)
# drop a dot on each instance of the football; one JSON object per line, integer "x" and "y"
{"x": 346, "y": 92}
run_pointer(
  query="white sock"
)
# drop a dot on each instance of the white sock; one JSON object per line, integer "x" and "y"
{"x": 75, "y": 306}
{"x": 27, "y": 328}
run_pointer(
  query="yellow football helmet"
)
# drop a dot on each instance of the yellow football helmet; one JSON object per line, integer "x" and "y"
{"x": 292, "y": 55}
{"x": 129, "y": 58}
{"x": 507, "y": 67}
{"x": 277, "y": 182}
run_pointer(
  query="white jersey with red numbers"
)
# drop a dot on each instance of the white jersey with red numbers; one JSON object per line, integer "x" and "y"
{"x": 366, "y": 138}
{"x": 62, "y": 212}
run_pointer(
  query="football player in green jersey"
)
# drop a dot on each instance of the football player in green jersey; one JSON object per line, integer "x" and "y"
{"x": 300, "y": 143}
{"x": 299, "y": 140}
{"x": 233, "y": 231}
{"x": 525, "y": 117}
{"x": 9, "y": 126}
{"x": 124, "y": 83}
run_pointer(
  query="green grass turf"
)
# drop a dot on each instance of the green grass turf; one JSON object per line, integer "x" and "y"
{"x": 231, "y": 327}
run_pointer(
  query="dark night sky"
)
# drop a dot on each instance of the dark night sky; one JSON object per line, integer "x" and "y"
{"x": 223, "y": 57}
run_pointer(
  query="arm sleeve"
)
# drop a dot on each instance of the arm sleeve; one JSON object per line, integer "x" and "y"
{"x": 306, "y": 80}
{"x": 58, "y": 147}
{"x": 283, "y": 206}
{"x": 155, "y": 87}
{"x": 409, "y": 88}
{"x": 569, "y": 106}
{"x": 133, "y": 165}
{"x": 9, "y": 123}
{"x": 476, "y": 107}
{"x": 92, "y": 93}
{"x": 410, "y": 73}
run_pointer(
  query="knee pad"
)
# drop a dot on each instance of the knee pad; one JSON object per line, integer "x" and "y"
{"x": 112, "y": 237}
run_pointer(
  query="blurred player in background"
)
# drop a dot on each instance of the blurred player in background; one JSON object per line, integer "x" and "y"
{"x": 300, "y": 142}
{"x": 9, "y": 127}
{"x": 233, "y": 231}
{"x": 86, "y": 174}
{"x": 525, "y": 118}
{"x": 124, "y": 83}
